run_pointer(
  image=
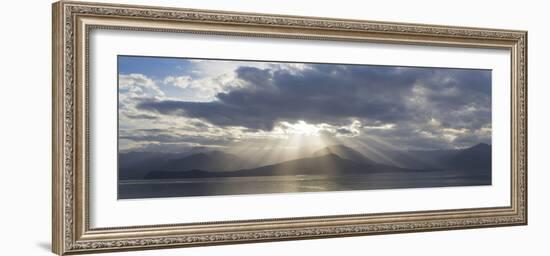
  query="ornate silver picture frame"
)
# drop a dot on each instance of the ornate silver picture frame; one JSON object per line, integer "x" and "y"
{"x": 73, "y": 213}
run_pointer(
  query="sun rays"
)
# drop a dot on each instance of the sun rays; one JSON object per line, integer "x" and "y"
{"x": 288, "y": 141}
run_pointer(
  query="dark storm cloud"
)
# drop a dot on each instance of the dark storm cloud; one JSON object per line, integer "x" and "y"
{"x": 141, "y": 116}
{"x": 334, "y": 94}
{"x": 168, "y": 136}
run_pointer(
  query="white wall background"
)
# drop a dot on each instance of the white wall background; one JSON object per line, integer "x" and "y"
{"x": 25, "y": 100}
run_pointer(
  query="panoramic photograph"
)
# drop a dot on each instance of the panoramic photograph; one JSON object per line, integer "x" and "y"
{"x": 212, "y": 127}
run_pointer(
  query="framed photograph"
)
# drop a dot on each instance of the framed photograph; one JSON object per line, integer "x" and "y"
{"x": 179, "y": 127}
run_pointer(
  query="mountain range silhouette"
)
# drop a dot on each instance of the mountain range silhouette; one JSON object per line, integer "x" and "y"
{"x": 332, "y": 160}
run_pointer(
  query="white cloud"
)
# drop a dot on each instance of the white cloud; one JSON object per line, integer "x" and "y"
{"x": 380, "y": 127}
{"x": 203, "y": 80}
{"x": 139, "y": 85}
{"x": 180, "y": 81}
{"x": 199, "y": 89}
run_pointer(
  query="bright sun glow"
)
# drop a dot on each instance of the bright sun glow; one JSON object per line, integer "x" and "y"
{"x": 301, "y": 128}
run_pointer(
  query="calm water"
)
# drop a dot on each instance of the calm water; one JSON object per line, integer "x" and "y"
{"x": 289, "y": 184}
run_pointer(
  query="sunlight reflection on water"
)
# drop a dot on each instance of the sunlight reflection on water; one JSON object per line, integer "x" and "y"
{"x": 287, "y": 184}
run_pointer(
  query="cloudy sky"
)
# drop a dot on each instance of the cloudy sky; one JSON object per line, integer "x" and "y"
{"x": 275, "y": 108}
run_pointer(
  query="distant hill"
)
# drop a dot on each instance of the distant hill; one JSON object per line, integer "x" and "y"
{"x": 136, "y": 165}
{"x": 330, "y": 164}
{"x": 345, "y": 153}
{"x": 421, "y": 158}
{"x": 476, "y": 158}
{"x": 332, "y": 160}
{"x": 311, "y": 165}
{"x": 215, "y": 161}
